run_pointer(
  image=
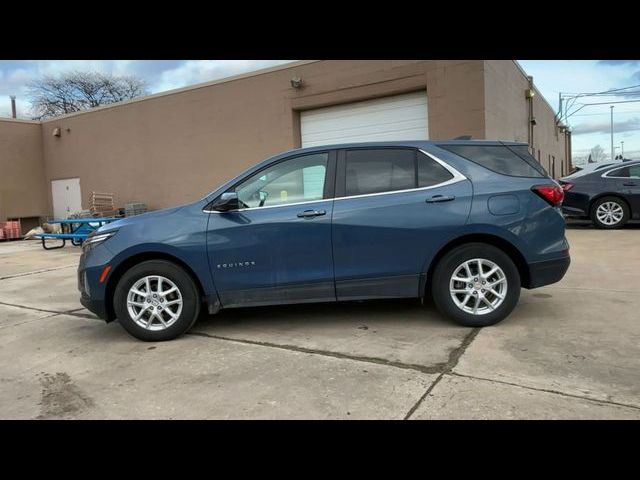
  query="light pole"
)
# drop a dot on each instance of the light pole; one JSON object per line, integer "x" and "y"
{"x": 622, "y": 144}
{"x": 612, "y": 132}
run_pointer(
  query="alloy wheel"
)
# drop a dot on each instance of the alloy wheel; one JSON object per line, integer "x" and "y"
{"x": 609, "y": 213}
{"x": 154, "y": 302}
{"x": 478, "y": 286}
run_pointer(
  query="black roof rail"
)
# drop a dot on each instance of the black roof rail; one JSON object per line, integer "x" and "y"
{"x": 463, "y": 137}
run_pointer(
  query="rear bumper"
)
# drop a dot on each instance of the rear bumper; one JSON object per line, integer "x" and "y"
{"x": 547, "y": 272}
{"x": 573, "y": 211}
{"x": 576, "y": 204}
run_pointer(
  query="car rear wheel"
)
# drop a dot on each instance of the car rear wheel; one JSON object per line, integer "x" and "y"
{"x": 476, "y": 285}
{"x": 610, "y": 212}
{"x": 156, "y": 300}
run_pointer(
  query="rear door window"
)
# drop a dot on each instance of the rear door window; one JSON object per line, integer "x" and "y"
{"x": 513, "y": 161}
{"x": 379, "y": 170}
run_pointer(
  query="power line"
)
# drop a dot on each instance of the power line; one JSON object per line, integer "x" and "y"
{"x": 582, "y": 105}
{"x": 599, "y": 93}
{"x": 609, "y": 103}
{"x": 607, "y": 113}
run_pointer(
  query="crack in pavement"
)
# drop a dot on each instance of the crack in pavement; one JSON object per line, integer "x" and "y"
{"x": 454, "y": 357}
{"x": 424, "y": 395}
{"x": 437, "y": 368}
{"x": 24, "y": 274}
{"x": 547, "y": 390}
{"x": 440, "y": 368}
{"x": 55, "y": 312}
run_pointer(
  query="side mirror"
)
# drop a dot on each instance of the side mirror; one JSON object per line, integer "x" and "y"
{"x": 227, "y": 201}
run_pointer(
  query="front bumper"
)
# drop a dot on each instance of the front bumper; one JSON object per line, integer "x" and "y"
{"x": 92, "y": 291}
{"x": 547, "y": 272}
{"x": 94, "y": 306}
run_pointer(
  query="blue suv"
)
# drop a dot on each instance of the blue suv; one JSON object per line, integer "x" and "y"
{"x": 467, "y": 222}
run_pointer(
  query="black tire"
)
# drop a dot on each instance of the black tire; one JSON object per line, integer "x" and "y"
{"x": 172, "y": 272}
{"x": 445, "y": 269}
{"x": 618, "y": 201}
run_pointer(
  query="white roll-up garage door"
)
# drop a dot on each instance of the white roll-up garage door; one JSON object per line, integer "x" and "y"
{"x": 398, "y": 117}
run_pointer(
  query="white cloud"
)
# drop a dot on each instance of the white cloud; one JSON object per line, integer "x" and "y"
{"x": 630, "y": 125}
{"x": 198, "y": 71}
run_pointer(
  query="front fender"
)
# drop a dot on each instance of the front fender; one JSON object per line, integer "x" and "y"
{"x": 195, "y": 259}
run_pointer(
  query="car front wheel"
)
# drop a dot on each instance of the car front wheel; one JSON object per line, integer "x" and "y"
{"x": 156, "y": 300}
{"x": 476, "y": 285}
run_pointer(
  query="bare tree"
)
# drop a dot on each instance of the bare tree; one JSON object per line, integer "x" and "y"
{"x": 70, "y": 92}
{"x": 597, "y": 154}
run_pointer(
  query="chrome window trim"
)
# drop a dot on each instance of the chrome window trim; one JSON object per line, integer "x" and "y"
{"x": 457, "y": 177}
{"x": 619, "y": 167}
{"x": 272, "y": 206}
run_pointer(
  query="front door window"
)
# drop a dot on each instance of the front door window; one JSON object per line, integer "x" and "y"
{"x": 300, "y": 179}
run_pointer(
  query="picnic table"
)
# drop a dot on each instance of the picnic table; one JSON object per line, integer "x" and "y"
{"x": 75, "y": 229}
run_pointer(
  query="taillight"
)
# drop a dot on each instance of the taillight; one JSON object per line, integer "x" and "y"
{"x": 566, "y": 186}
{"x": 553, "y": 194}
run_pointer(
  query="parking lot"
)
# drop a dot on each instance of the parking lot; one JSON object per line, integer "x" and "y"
{"x": 569, "y": 350}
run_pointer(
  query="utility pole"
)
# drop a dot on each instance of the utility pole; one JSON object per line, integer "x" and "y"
{"x": 622, "y": 153}
{"x": 560, "y": 107}
{"x": 13, "y": 106}
{"x": 612, "y": 132}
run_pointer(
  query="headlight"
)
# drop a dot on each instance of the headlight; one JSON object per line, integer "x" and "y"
{"x": 95, "y": 239}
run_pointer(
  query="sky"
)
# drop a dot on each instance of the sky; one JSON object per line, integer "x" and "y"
{"x": 160, "y": 75}
{"x": 590, "y": 125}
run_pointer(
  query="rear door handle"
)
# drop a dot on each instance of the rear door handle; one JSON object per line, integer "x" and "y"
{"x": 311, "y": 213}
{"x": 630, "y": 184}
{"x": 440, "y": 198}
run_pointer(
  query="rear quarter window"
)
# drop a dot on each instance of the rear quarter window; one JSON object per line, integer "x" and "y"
{"x": 431, "y": 173}
{"x": 514, "y": 162}
{"x": 632, "y": 171}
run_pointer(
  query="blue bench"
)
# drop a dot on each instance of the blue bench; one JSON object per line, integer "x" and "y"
{"x": 78, "y": 235}
{"x": 76, "y": 239}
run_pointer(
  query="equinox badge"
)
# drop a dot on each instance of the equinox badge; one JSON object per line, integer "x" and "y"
{"x": 235, "y": 264}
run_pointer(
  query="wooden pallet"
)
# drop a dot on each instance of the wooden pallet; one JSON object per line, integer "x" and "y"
{"x": 101, "y": 205}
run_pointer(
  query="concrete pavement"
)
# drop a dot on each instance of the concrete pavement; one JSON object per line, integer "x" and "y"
{"x": 570, "y": 350}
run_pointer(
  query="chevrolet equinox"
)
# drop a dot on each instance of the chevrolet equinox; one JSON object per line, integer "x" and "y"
{"x": 467, "y": 222}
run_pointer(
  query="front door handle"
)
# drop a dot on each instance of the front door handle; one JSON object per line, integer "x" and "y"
{"x": 630, "y": 184}
{"x": 440, "y": 198}
{"x": 311, "y": 213}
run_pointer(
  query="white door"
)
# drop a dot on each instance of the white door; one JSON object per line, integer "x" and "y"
{"x": 67, "y": 198}
{"x": 399, "y": 117}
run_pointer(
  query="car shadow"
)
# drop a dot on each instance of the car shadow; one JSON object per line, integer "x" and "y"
{"x": 387, "y": 310}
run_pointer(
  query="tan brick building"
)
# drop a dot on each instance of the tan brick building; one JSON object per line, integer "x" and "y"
{"x": 174, "y": 147}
